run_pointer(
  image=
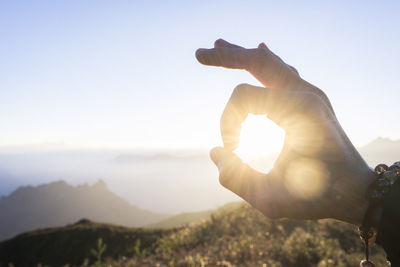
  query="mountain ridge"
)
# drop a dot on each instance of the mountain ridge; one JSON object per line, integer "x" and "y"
{"x": 58, "y": 203}
{"x": 381, "y": 150}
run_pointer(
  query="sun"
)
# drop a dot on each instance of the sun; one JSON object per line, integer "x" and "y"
{"x": 260, "y": 137}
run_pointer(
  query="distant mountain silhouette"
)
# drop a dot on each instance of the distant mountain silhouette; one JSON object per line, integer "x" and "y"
{"x": 131, "y": 158}
{"x": 381, "y": 150}
{"x": 58, "y": 203}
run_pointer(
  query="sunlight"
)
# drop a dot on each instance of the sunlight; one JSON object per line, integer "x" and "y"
{"x": 260, "y": 138}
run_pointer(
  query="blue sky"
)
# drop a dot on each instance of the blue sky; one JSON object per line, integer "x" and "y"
{"x": 123, "y": 73}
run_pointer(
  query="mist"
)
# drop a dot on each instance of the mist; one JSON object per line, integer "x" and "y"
{"x": 162, "y": 181}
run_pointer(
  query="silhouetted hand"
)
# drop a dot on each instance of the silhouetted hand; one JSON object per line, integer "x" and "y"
{"x": 319, "y": 173}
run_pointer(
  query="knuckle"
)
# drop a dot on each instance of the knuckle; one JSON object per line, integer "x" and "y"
{"x": 310, "y": 100}
{"x": 260, "y": 59}
{"x": 238, "y": 96}
{"x": 321, "y": 93}
{"x": 240, "y": 89}
{"x": 294, "y": 69}
{"x": 313, "y": 105}
{"x": 310, "y": 97}
{"x": 260, "y": 56}
{"x": 260, "y": 52}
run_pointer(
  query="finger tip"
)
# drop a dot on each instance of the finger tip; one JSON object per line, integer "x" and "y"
{"x": 221, "y": 155}
{"x": 263, "y": 45}
{"x": 219, "y": 42}
{"x": 215, "y": 154}
{"x": 198, "y": 52}
{"x": 200, "y": 55}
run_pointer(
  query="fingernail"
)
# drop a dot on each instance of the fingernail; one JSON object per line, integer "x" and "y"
{"x": 200, "y": 53}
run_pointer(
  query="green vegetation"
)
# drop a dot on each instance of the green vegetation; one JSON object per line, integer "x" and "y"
{"x": 237, "y": 237}
{"x": 98, "y": 252}
{"x": 244, "y": 237}
{"x": 74, "y": 244}
{"x": 185, "y": 219}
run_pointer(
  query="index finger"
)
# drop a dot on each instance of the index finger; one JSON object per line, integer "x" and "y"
{"x": 228, "y": 57}
{"x": 265, "y": 66}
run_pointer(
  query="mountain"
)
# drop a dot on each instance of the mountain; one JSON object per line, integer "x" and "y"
{"x": 165, "y": 181}
{"x": 381, "y": 150}
{"x": 240, "y": 236}
{"x": 134, "y": 158}
{"x": 58, "y": 203}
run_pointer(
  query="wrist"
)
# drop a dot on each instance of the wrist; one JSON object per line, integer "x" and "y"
{"x": 357, "y": 217}
{"x": 376, "y": 216}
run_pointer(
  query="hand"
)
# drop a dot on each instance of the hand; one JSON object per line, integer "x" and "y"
{"x": 319, "y": 173}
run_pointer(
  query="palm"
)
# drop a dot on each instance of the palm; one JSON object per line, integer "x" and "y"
{"x": 311, "y": 174}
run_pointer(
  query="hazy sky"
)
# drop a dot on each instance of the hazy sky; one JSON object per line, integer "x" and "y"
{"x": 123, "y": 73}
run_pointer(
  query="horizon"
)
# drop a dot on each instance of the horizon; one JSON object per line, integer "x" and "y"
{"x": 127, "y": 177}
{"x": 65, "y": 147}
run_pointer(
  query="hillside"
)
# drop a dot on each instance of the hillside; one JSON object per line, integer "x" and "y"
{"x": 73, "y": 244}
{"x": 58, "y": 203}
{"x": 184, "y": 219}
{"x": 244, "y": 237}
{"x": 238, "y": 237}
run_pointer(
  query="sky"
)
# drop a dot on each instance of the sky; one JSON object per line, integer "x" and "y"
{"x": 115, "y": 74}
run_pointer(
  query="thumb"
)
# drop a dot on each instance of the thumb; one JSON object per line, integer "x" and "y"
{"x": 221, "y": 156}
{"x": 253, "y": 186}
{"x": 235, "y": 175}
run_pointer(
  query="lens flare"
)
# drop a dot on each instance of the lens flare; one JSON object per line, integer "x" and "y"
{"x": 307, "y": 178}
